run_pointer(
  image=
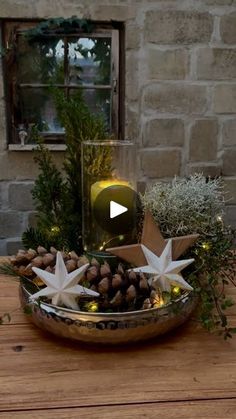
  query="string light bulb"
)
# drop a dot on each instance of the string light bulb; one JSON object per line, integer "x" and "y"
{"x": 176, "y": 290}
{"x": 159, "y": 303}
{"x": 55, "y": 229}
{"x": 92, "y": 306}
{"x": 206, "y": 246}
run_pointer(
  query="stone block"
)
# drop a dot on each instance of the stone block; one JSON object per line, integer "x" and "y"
{"x": 168, "y": 64}
{"x": 230, "y": 189}
{"x": 15, "y": 8}
{"x": 228, "y": 28}
{"x": 3, "y": 247}
{"x": 132, "y": 36}
{"x": 132, "y": 129}
{"x": 216, "y": 64}
{"x": 3, "y": 195}
{"x": 175, "y": 98}
{"x": 224, "y": 98}
{"x": 20, "y": 197}
{"x": 131, "y": 76}
{"x": 166, "y": 132}
{"x": 208, "y": 170}
{"x": 48, "y": 8}
{"x": 161, "y": 163}
{"x": 13, "y": 245}
{"x": 112, "y": 12}
{"x": 229, "y": 132}
{"x": 203, "y": 140}
{"x": 218, "y": 2}
{"x": 42, "y": 8}
{"x": 21, "y": 166}
{"x": 230, "y": 215}
{"x": 132, "y": 91}
{"x": 229, "y": 162}
{"x": 178, "y": 27}
{"x": 131, "y": 65}
{"x": 11, "y": 224}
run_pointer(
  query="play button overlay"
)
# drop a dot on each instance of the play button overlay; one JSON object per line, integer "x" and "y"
{"x": 115, "y": 209}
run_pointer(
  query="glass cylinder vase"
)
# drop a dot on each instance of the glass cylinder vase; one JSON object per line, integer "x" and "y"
{"x": 108, "y": 188}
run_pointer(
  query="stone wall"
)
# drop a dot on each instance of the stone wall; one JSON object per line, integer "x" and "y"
{"x": 180, "y": 95}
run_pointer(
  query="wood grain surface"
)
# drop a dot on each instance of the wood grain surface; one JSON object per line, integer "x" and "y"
{"x": 186, "y": 374}
{"x": 218, "y": 409}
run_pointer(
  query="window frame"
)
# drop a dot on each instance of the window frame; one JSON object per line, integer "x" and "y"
{"x": 12, "y": 28}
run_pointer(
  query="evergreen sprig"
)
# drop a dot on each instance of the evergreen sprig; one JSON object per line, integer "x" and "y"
{"x": 57, "y": 194}
{"x": 49, "y": 183}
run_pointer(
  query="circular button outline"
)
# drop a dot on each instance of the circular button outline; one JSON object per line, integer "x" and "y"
{"x": 122, "y": 223}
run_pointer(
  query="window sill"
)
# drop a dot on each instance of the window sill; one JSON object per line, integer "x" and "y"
{"x": 30, "y": 147}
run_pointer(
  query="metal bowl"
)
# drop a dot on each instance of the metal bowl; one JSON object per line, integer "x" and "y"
{"x": 109, "y": 328}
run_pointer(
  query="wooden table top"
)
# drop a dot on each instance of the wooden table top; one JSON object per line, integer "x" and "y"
{"x": 187, "y": 374}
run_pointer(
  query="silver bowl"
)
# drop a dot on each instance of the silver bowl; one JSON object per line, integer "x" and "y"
{"x": 109, "y": 328}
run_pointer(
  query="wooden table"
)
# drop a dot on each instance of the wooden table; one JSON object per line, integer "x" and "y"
{"x": 187, "y": 374}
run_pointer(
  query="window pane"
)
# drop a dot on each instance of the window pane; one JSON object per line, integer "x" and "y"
{"x": 98, "y": 101}
{"x": 40, "y": 62}
{"x": 37, "y": 108}
{"x": 90, "y": 61}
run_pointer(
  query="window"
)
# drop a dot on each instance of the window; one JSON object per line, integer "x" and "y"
{"x": 75, "y": 63}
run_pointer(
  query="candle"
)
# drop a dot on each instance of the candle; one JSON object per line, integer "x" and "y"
{"x": 99, "y": 186}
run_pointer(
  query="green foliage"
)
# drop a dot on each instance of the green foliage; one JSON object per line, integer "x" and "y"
{"x": 80, "y": 125}
{"x": 97, "y": 160}
{"x": 215, "y": 269}
{"x": 33, "y": 236}
{"x": 57, "y": 194}
{"x": 58, "y": 26}
{"x": 50, "y": 194}
{"x": 196, "y": 205}
{"x": 48, "y": 184}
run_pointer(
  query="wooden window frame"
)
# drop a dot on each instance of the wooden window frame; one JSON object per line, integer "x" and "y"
{"x": 114, "y": 30}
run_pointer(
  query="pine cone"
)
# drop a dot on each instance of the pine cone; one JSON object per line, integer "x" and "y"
{"x": 105, "y": 270}
{"x": 122, "y": 290}
{"x": 103, "y": 286}
{"x": 131, "y": 293}
{"x": 116, "y": 281}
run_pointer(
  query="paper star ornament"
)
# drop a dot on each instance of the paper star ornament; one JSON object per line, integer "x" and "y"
{"x": 154, "y": 241}
{"x": 62, "y": 287}
{"x": 166, "y": 271}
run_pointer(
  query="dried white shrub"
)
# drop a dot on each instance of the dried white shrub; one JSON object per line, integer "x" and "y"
{"x": 185, "y": 206}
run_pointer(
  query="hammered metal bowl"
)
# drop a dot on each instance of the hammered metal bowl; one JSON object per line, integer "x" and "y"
{"x": 109, "y": 328}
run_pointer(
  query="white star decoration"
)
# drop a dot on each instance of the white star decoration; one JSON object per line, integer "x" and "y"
{"x": 166, "y": 270}
{"x": 62, "y": 288}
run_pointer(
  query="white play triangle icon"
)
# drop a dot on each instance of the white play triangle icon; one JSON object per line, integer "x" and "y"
{"x": 116, "y": 209}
